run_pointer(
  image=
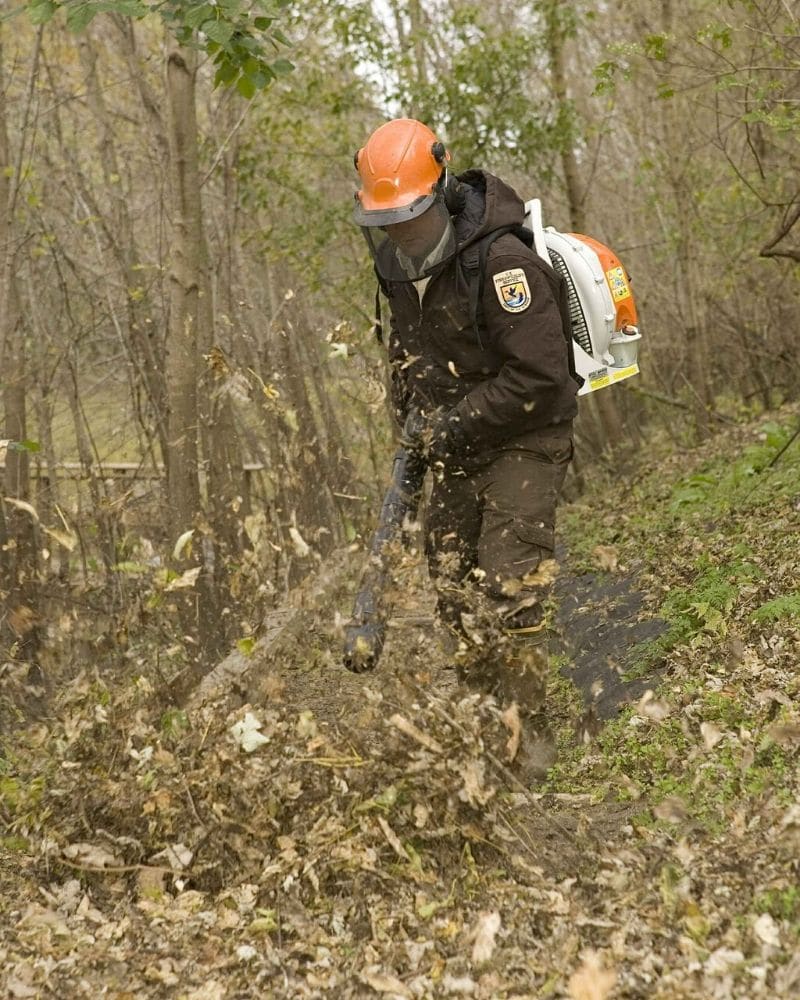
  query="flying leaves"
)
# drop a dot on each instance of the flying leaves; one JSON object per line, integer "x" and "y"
{"x": 483, "y": 936}
{"x": 65, "y": 537}
{"x": 247, "y": 733}
{"x": 591, "y": 981}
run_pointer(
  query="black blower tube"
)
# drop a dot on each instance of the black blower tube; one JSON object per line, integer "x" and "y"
{"x": 365, "y": 635}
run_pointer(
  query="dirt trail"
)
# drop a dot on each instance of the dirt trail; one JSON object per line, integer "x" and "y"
{"x": 601, "y": 621}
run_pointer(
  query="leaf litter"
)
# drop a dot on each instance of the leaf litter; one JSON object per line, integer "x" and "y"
{"x": 376, "y": 843}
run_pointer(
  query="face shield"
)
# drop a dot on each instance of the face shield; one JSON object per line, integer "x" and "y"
{"x": 409, "y": 243}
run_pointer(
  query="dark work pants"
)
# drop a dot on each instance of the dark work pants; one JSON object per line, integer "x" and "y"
{"x": 490, "y": 526}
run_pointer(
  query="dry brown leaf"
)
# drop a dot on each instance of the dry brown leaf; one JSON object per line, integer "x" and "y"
{"x": 711, "y": 734}
{"x": 91, "y": 855}
{"x": 383, "y": 982}
{"x": 474, "y": 790}
{"x": 301, "y": 546}
{"x": 177, "y": 856}
{"x": 511, "y": 721}
{"x": 150, "y": 881}
{"x": 20, "y": 982}
{"x": 66, "y": 538}
{"x": 766, "y": 930}
{"x": 410, "y": 730}
{"x": 185, "y": 580}
{"x": 649, "y": 707}
{"x": 22, "y": 619}
{"x": 462, "y": 986}
{"x": 672, "y": 809}
{"x": 543, "y": 576}
{"x": 591, "y": 981}
{"x": 22, "y": 505}
{"x": 393, "y": 839}
{"x": 483, "y": 936}
{"x": 606, "y": 558}
{"x": 271, "y": 687}
{"x": 784, "y": 734}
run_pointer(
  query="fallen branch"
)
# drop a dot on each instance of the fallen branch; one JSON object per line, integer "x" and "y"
{"x": 410, "y": 730}
{"x": 282, "y": 630}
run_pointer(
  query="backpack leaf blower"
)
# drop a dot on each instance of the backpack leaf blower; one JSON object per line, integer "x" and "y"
{"x": 602, "y": 310}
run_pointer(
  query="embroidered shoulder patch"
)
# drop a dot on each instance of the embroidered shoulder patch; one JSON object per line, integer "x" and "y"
{"x": 512, "y": 290}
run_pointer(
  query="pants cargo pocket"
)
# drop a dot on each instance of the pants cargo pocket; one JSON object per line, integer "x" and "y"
{"x": 510, "y": 551}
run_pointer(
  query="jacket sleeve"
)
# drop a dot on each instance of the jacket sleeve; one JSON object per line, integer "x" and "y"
{"x": 533, "y": 387}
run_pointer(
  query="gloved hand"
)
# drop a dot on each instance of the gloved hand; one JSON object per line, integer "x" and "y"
{"x": 437, "y": 434}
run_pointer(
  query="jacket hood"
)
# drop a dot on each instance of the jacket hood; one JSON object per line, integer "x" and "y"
{"x": 490, "y": 204}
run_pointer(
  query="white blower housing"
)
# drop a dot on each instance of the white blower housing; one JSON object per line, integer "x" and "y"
{"x": 602, "y": 310}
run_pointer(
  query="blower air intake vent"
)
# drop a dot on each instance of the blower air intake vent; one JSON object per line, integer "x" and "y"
{"x": 580, "y": 330}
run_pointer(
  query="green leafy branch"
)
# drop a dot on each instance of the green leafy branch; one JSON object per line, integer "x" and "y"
{"x": 241, "y": 36}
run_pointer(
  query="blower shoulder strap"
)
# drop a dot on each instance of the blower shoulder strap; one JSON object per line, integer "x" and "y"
{"x": 473, "y": 263}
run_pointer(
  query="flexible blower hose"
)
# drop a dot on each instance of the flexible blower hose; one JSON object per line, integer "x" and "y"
{"x": 365, "y": 635}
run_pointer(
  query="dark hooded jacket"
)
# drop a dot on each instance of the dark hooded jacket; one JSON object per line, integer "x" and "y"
{"x": 514, "y": 377}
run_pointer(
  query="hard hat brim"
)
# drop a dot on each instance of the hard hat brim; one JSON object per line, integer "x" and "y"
{"x": 378, "y": 217}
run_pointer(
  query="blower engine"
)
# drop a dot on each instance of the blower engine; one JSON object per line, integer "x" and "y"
{"x": 602, "y": 309}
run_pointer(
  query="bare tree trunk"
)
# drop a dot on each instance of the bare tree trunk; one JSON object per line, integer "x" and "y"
{"x": 183, "y": 334}
{"x": 226, "y": 487}
{"x": 190, "y": 336}
{"x": 555, "y": 38}
{"x": 601, "y": 406}
{"x": 339, "y": 472}
{"x": 20, "y": 586}
{"x": 417, "y": 25}
{"x": 136, "y": 336}
{"x": 685, "y": 269}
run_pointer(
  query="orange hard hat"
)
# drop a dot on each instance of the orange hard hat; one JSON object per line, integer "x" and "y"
{"x": 400, "y": 169}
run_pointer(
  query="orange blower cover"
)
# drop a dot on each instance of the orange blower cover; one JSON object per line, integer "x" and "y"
{"x": 617, "y": 279}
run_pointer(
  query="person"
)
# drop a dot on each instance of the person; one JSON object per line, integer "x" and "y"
{"x": 487, "y": 391}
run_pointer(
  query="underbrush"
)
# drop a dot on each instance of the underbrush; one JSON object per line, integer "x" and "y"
{"x": 709, "y": 759}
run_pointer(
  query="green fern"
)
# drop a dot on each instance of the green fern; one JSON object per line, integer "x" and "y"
{"x": 779, "y": 609}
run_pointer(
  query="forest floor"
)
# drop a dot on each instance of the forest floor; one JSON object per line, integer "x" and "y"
{"x": 329, "y": 835}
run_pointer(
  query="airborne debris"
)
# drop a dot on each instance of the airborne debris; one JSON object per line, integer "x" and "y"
{"x": 301, "y": 546}
{"x": 483, "y": 936}
{"x": 247, "y": 733}
{"x": 711, "y": 734}
{"x": 766, "y": 930}
{"x": 592, "y": 981}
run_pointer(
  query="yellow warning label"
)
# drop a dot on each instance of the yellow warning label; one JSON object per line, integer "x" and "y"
{"x": 608, "y": 376}
{"x": 618, "y": 374}
{"x": 618, "y": 284}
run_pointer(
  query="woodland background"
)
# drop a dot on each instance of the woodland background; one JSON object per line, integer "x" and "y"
{"x": 196, "y": 798}
{"x": 193, "y": 400}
